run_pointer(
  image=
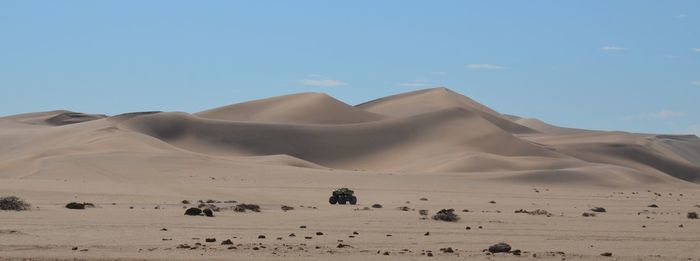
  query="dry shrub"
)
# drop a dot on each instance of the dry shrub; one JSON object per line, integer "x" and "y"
{"x": 446, "y": 215}
{"x": 692, "y": 215}
{"x": 13, "y": 203}
{"x": 243, "y": 207}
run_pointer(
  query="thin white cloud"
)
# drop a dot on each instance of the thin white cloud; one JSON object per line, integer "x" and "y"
{"x": 484, "y": 66}
{"x": 665, "y": 114}
{"x": 659, "y": 115}
{"x": 696, "y": 50}
{"x": 681, "y": 16}
{"x": 612, "y": 48}
{"x": 438, "y": 73}
{"x": 321, "y": 81}
{"x": 416, "y": 83}
{"x": 695, "y": 83}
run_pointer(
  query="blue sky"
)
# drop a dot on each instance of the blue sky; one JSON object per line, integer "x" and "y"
{"x": 610, "y": 65}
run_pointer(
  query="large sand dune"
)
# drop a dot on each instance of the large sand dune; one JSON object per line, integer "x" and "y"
{"x": 431, "y": 131}
{"x": 293, "y": 149}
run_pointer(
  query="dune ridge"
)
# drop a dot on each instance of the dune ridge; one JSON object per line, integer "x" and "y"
{"x": 426, "y": 131}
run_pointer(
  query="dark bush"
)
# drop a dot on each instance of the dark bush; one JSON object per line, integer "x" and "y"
{"x": 243, "y": 207}
{"x": 13, "y": 203}
{"x": 692, "y": 215}
{"x": 446, "y": 215}
{"x": 76, "y": 205}
{"x": 193, "y": 212}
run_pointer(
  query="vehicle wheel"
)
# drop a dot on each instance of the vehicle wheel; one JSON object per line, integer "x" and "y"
{"x": 353, "y": 200}
{"x": 333, "y": 200}
{"x": 342, "y": 200}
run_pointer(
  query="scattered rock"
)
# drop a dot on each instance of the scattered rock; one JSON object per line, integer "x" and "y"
{"x": 650, "y": 206}
{"x": 377, "y": 205}
{"x": 386, "y": 253}
{"x": 292, "y": 235}
{"x": 499, "y": 248}
{"x": 227, "y": 242}
{"x": 341, "y": 245}
{"x": 74, "y": 248}
{"x": 516, "y": 252}
{"x": 210, "y": 240}
{"x": 319, "y": 233}
{"x": 308, "y": 237}
{"x": 404, "y": 208}
{"x": 465, "y": 210}
{"x": 427, "y": 234}
{"x": 423, "y": 212}
{"x": 424, "y": 199}
{"x": 468, "y": 228}
{"x": 207, "y": 212}
{"x": 692, "y": 215}
{"x": 587, "y": 214}
{"x": 261, "y": 237}
{"x": 193, "y": 212}
{"x": 430, "y": 254}
{"x": 286, "y": 208}
{"x": 599, "y": 209}
{"x": 185, "y": 202}
{"x": 302, "y": 226}
{"x": 447, "y": 250}
{"x": 446, "y": 215}
{"x": 163, "y": 229}
{"x": 492, "y": 202}
{"x": 606, "y": 254}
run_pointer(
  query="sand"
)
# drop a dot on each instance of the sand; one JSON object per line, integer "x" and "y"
{"x": 294, "y": 150}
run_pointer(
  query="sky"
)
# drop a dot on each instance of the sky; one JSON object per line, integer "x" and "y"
{"x": 629, "y": 65}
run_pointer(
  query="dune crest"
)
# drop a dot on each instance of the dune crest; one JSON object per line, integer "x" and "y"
{"x": 313, "y": 108}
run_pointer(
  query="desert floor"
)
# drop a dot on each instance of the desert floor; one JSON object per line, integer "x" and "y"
{"x": 112, "y": 230}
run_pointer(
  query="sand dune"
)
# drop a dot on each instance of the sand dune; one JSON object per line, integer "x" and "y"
{"x": 428, "y": 100}
{"x": 427, "y": 131}
{"x": 315, "y": 108}
{"x": 377, "y": 145}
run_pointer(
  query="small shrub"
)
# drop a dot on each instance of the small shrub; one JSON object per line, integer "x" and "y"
{"x": 210, "y": 201}
{"x": 599, "y": 210}
{"x": 423, "y": 212}
{"x": 286, "y": 208}
{"x": 244, "y": 207}
{"x": 446, "y": 215}
{"x": 653, "y": 206}
{"x": 404, "y": 208}
{"x": 76, "y": 205}
{"x": 692, "y": 215}
{"x": 424, "y": 199}
{"x": 185, "y": 202}
{"x": 13, "y": 203}
{"x": 586, "y": 214}
{"x": 377, "y": 206}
